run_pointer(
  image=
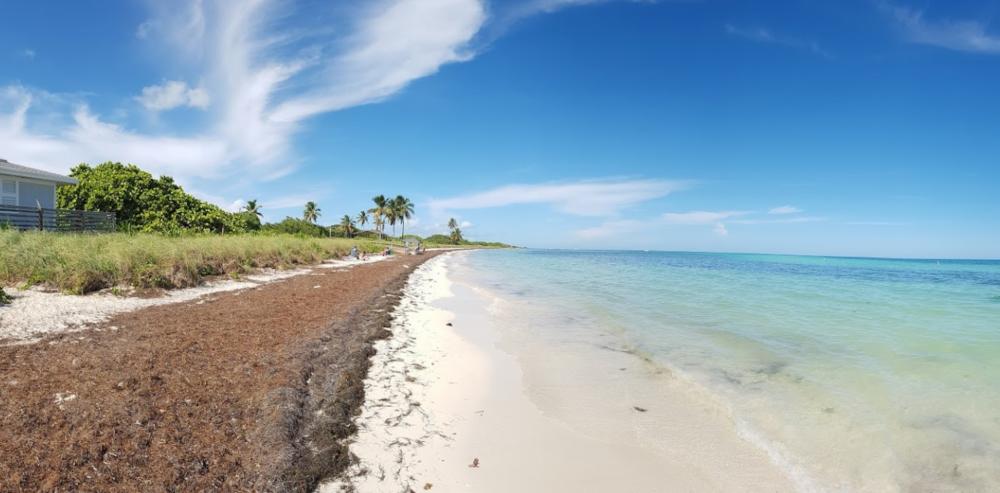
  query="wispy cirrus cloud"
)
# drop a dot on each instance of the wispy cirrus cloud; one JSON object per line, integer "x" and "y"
{"x": 718, "y": 220}
{"x": 582, "y": 198}
{"x": 764, "y": 35}
{"x": 263, "y": 77}
{"x": 173, "y": 94}
{"x": 715, "y": 218}
{"x": 876, "y": 223}
{"x": 73, "y": 133}
{"x": 785, "y": 220}
{"x": 960, "y": 35}
{"x": 785, "y": 209}
{"x": 609, "y": 229}
{"x": 266, "y": 67}
{"x": 700, "y": 217}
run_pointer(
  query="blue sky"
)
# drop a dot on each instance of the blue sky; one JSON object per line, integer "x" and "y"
{"x": 861, "y": 127}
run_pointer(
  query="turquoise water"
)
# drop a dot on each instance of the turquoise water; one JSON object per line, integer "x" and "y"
{"x": 859, "y": 374}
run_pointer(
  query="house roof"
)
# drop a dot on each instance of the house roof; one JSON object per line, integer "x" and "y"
{"x": 9, "y": 168}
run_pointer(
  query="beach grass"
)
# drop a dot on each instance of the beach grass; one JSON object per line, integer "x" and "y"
{"x": 83, "y": 263}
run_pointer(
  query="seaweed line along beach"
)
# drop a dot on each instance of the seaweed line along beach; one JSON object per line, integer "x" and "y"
{"x": 250, "y": 389}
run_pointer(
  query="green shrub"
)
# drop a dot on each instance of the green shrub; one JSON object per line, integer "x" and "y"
{"x": 294, "y": 226}
{"x": 143, "y": 203}
{"x": 82, "y": 263}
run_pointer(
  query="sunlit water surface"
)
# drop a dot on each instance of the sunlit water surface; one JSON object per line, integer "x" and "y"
{"x": 858, "y": 374}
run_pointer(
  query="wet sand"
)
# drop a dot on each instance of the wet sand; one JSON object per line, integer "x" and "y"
{"x": 452, "y": 404}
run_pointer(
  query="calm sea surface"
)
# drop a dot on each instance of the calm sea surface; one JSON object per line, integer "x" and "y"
{"x": 858, "y": 374}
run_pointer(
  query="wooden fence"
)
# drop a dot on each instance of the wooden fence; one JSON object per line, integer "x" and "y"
{"x": 56, "y": 219}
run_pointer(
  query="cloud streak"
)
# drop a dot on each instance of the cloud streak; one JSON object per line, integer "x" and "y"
{"x": 173, "y": 94}
{"x": 582, "y": 198}
{"x": 959, "y": 35}
{"x": 718, "y": 220}
{"x": 787, "y": 220}
{"x": 700, "y": 217}
{"x": 785, "y": 209}
{"x": 263, "y": 77}
{"x": 766, "y": 36}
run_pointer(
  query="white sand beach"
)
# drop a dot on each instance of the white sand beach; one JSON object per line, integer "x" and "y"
{"x": 452, "y": 403}
{"x": 34, "y": 313}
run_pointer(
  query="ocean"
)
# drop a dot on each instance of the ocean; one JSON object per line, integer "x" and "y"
{"x": 853, "y": 374}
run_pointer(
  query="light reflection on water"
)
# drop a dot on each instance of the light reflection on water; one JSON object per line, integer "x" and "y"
{"x": 871, "y": 373}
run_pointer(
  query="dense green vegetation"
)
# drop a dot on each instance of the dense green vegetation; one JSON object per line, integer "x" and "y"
{"x": 82, "y": 263}
{"x": 146, "y": 204}
{"x": 294, "y": 226}
{"x": 170, "y": 239}
{"x": 4, "y": 297}
{"x": 448, "y": 240}
{"x": 143, "y": 203}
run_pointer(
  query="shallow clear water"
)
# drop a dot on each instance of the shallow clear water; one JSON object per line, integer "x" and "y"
{"x": 858, "y": 374}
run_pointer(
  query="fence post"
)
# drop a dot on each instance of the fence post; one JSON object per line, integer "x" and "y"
{"x": 41, "y": 219}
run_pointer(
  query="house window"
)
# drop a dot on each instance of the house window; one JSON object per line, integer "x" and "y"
{"x": 8, "y": 192}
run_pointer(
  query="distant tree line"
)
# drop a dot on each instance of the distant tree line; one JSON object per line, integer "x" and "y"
{"x": 144, "y": 203}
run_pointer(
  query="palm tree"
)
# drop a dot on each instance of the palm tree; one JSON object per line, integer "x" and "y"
{"x": 348, "y": 225}
{"x": 311, "y": 212}
{"x": 392, "y": 215}
{"x": 404, "y": 210}
{"x": 379, "y": 224}
{"x": 362, "y": 219}
{"x": 379, "y": 212}
{"x": 253, "y": 208}
{"x": 456, "y": 236}
{"x": 452, "y": 224}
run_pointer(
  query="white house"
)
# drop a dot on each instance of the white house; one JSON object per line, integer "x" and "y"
{"x": 29, "y": 187}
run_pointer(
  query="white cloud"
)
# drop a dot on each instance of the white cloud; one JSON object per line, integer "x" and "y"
{"x": 785, "y": 209}
{"x": 263, "y": 78}
{"x": 172, "y": 94}
{"x": 398, "y": 42}
{"x": 762, "y": 35}
{"x": 700, "y": 217}
{"x": 960, "y": 35}
{"x": 265, "y": 72}
{"x": 28, "y": 53}
{"x": 582, "y": 198}
{"x": 610, "y": 229}
{"x": 237, "y": 205}
{"x": 142, "y": 32}
{"x": 465, "y": 225}
{"x": 787, "y": 220}
{"x": 716, "y": 219}
{"x": 85, "y": 138}
{"x": 876, "y": 223}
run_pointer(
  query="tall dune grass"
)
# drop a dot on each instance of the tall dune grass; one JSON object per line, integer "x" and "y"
{"x": 81, "y": 263}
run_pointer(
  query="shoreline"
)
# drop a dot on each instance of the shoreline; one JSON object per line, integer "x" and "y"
{"x": 455, "y": 402}
{"x": 242, "y": 390}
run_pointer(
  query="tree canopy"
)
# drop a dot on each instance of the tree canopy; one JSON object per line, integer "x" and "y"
{"x": 142, "y": 202}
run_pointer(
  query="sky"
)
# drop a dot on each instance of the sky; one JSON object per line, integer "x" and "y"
{"x": 857, "y": 127}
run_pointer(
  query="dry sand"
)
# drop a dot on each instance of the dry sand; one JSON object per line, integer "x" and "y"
{"x": 447, "y": 410}
{"x": 35, "y": 313}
